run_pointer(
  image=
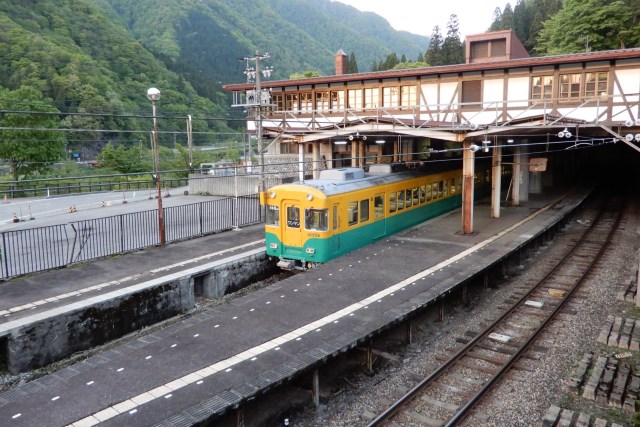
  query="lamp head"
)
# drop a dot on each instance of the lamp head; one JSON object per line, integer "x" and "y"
{"x": 153, "y": 94}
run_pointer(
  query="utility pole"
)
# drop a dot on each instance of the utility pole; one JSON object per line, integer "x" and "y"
{"x": 255, "y": 101}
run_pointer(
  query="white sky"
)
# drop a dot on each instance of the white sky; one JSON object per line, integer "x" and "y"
{"x": 420, "y": 16}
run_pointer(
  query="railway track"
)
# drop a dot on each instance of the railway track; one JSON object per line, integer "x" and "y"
{"x": 449, "y": 395}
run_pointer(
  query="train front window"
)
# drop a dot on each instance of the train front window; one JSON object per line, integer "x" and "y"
{"x": 293, "y": 217}
{"x": 273, "y": 215}
{"x": 316, "y": 219}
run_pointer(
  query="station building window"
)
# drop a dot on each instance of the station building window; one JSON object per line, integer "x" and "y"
{"x": 291, "y": 102}
{"x": 390, "y": 96}
{"x": 596, "y": 84}
{"x": 408, "y": 96}
{"x": 306, "y": 102}
{"x": 278, "y": 100}
{"x": 371, "y": 97}
{"x": 569, "y": 87}
{"x": 354, "y": 99}
{"x": 542, "y": 87}
{"x": 337, "y": 100}
{"x": 322, "y": 101}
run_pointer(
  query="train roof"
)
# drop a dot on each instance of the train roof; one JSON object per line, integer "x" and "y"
{"x": 346, "y": 180}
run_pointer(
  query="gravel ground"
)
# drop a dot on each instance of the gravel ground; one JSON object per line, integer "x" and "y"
{"x": 524, "y": 399}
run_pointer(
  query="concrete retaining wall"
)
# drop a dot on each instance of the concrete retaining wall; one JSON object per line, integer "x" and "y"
{"x": 247, "y": 185}
{"x": 43, "y": 338}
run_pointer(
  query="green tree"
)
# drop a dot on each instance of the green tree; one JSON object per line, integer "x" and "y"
{"x": 352, "y": 65}
{"x": 390, "y": 62}
{"x": 412, "y": 64}
{"x": 30, "y": 140}
{"x": 583, "y": 25}
{"x": 305, "y": 75}
{"x": 180, "y": 160}
{"x": 124, "y": 160}
{"x": 452, "y": 47}
{"x": 434, "y": 52}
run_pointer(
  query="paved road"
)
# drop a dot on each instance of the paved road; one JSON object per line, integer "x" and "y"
{"x": 55, "y": 210}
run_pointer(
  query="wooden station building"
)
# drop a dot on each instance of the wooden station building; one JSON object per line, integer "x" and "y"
{"x": 500, "y": 101}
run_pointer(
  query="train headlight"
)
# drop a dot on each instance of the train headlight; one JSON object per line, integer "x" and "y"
{"x": 309, "y": 197}
{"x": 273, "y": 245}
{"x": 272, "y": 194}
{"x": 311, "y": 251}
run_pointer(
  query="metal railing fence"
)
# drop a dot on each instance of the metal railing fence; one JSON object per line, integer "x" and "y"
{"x": 44, "y": 248}
{"x": 78, "y": 185}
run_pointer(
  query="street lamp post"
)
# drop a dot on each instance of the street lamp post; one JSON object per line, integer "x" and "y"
{"x": 154, "y": 95}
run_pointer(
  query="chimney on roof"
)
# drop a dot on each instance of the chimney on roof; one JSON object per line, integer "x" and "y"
{"x": 341, "y": 63}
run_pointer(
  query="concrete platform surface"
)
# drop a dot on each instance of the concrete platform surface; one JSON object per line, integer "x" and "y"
{"x": 220, "y": 357}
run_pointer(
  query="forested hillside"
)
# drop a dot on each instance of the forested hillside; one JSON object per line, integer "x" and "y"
{"x": 81, "y": 68}
{"x": 93, "y": 60}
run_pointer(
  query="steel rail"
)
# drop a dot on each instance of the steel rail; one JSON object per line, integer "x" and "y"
{"x": 413, "y": 393}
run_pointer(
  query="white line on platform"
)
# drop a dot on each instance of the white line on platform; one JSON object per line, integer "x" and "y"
{"x": 100, "y": 286}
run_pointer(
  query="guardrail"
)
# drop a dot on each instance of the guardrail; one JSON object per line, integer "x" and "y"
{"x": 66, "y": 186}
{"x": 44, "y": 248}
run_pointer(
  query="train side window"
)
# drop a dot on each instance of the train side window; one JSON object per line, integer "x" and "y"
{"x": 378, "y": 206}
{"x": 273, "y": 215}
{"x": 440, "y": 188}
{"x": 352, "y": 213}
{"x": 316, "y": 219}
{"x": 364, "y": 210}
{"x": 423, "y": 193}
{"x": 459, "y": 185}
{"x": 434, "y": 190}
{"x": 416, "y": 200}
{"x": 335, "y": 217}
{"x": 445, "y": 188}
{"x": 401, "y": 200}
{"x": 428, "y": 192}
{"x": 407, "y": 198}
{"x": 453, "y": 186}
{"x": 392, "y": 202}
{"x": 293, "y": 217}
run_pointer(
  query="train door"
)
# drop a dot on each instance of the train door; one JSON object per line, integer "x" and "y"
{"x": 335, "y": 229}
{"x": 292, "y": 231}
{"x": 379, "y": 221}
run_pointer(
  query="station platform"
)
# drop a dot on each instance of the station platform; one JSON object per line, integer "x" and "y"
{"x": 208, "y": 363}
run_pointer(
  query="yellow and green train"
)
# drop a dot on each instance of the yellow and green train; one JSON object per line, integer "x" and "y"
{"x": 317, "y": 220}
